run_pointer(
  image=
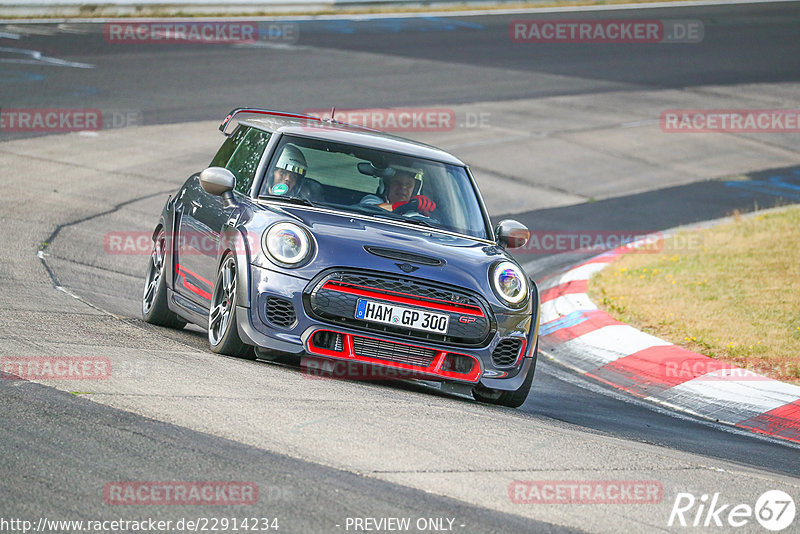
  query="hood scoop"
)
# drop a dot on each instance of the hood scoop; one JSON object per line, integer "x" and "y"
{"x": 401, "y": 255}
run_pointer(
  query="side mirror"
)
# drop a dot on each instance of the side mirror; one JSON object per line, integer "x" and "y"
{"x": 220, "y": 182}
{"x": 512, "y": 234}
{"x": 217, "y": 181}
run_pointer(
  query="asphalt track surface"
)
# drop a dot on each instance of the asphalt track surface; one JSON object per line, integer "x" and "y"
{"x": 60, "y": 448}
{"x": 473, "y": 60}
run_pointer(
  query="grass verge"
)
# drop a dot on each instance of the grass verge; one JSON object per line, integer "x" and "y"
{"x": 731, "y": 292}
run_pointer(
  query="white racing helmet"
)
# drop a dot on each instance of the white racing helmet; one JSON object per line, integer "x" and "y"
{"x": 394, "y": 170}
{"x": 413, "y": 171}
{"x": 292, "y": 160}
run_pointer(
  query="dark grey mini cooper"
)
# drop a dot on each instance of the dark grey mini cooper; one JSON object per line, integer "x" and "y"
{"x": 337, "y": 243}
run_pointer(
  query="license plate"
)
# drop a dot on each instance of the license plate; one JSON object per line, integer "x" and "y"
{"x": 401, "y": 316}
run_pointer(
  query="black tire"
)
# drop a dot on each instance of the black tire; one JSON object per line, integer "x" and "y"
{"x": 512, "y": 399}
{"x": 154, "y": 298}
{"x": 223, "y": 333}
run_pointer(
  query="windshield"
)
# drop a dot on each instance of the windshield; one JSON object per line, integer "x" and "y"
{"x": 376, "y": 183}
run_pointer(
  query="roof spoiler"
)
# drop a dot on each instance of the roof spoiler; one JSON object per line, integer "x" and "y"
{"x": 258, "y": 111}
{"x": 223, "y": 126}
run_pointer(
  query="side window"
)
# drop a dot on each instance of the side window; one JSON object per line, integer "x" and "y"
{"x": 245, "y": 158}
{"x": 226, "y": 150}
{"x": 240, "y": 154}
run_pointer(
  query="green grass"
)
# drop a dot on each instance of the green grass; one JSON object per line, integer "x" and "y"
{"x": 731, "y": 292}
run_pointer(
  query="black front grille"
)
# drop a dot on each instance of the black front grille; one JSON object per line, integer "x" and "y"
{"x": 280, "y": 312}
{"x": 336, "y": 303}
{"x": 506, "y": 352}
{"x": 408, "y": 286}
{"x": 395, "y": 352}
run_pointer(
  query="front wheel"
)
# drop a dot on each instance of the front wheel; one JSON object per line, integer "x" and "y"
{"x": 154, "y": 299}
{"x": 223, "y": 332}
{"x": 512, "y": 399}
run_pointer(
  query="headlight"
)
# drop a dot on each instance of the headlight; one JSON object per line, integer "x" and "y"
{"x": 509, "y": 282}
{"x": 287, "y": 243}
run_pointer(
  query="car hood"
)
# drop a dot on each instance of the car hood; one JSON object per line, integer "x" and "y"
{"x": 341, "y": 242}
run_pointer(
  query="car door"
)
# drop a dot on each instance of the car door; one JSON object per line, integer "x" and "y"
{"x": 202, "y": 215}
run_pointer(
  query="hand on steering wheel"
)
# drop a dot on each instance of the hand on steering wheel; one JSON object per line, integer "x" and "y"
{"x": 419, "y": 203}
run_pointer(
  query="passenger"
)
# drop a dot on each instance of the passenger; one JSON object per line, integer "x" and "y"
{"x": 289, "y": 176}
{"x": 398, "y": 193}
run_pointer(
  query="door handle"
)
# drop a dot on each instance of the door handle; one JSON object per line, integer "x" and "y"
{"x": 196, "y": 204}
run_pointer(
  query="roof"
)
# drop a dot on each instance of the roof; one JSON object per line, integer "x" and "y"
{"x": 349, "y": 134}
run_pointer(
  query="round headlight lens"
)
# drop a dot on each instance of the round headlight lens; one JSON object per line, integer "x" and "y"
{"x": 287, "y": 243}
{"x": 509, "y": 282}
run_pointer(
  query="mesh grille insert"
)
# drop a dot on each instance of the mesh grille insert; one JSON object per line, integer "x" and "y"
{"x": 506, "y": 352}
{"x": 280, "y": 312}
{"x": 406, "y": 286}
{"x": 384, "y": 350}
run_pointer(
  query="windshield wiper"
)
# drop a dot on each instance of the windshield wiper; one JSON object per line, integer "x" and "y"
{"x": 420, "y": 222}
{"x": 293, "y": 200}
{"x": 389, "y": 217}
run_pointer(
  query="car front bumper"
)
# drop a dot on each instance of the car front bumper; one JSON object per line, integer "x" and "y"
{"x": 299, "y": 333}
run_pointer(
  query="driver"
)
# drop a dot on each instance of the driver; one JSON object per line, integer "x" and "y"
{"x": 289, "y": 176}
{"x": 398, "y": 193}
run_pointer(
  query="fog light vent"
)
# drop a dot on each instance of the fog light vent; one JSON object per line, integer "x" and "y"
{"x": 324, "y": 339}
{"x": 458, "y": 363}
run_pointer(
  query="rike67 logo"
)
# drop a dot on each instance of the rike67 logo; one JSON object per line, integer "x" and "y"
{"x": 774, "y": 510}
